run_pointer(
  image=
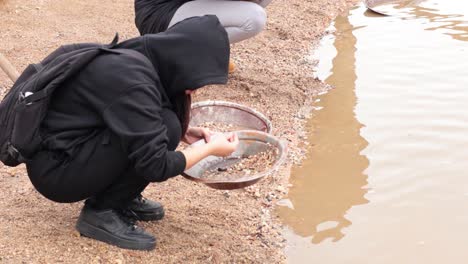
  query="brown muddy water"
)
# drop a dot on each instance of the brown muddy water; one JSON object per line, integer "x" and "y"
{"x": 386, "y": 178}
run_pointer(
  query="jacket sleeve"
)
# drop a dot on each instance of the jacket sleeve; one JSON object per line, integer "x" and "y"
{"x": 135, "y": 117}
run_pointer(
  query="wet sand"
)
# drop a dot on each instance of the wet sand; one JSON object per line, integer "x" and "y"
{"x": 201, "y": 225}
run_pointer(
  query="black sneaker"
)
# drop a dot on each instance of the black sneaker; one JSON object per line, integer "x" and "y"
{"x": 113, "y": 227}
{"x": 145, "y": 210}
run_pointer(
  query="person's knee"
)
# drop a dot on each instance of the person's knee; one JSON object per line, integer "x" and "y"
{"x": 256, "y": 19}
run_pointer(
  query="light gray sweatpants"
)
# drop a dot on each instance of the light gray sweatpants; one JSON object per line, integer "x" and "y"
{"x": 241, "y": 19}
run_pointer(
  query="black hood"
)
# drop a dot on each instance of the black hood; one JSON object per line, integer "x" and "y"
{"x": 189, "y": 55}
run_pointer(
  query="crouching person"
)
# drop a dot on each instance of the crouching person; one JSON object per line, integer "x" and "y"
{"x": 113, "y": 128}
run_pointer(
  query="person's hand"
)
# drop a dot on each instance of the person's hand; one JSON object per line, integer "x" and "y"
{"x": 223, "y": 145}
{"x": 196, "y": 133}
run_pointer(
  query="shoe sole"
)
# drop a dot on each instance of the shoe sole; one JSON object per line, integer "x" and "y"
{"x": 93, "y": 232}
{"x": 150, "y": 217}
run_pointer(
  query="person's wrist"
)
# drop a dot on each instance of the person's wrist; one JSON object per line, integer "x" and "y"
{"x": 209, "y": 148}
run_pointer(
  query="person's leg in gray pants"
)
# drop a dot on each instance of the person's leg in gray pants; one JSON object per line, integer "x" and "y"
{"x": 241, "y": 19}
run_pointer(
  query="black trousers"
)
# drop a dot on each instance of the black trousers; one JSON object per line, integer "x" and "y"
{"x": 99, "y": 170}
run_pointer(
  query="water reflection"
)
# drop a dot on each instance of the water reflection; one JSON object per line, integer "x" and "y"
{"x": 450, "y": 24}
{"x": 443, "y": 16}
{"x": 411, "y": 97}
{"x": 332, "y": 180}
{"x": 391, "y": 7}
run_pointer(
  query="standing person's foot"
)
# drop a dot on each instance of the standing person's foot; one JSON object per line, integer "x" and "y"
{"x": 113, "y": 227}
{"x": 232, "y": 66}
{"x": 143, "y": 209}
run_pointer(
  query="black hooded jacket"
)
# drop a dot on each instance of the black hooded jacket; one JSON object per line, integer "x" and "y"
{"x": 130, "y": 95}
{"x": 153, "y": 16}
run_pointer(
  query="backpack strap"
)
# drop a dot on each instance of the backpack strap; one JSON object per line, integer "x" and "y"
{"x": 39, "y": 95}
{"x": 114, "y": 41}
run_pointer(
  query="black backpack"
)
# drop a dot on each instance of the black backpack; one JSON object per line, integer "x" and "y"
{"x": 25, "y": 105}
